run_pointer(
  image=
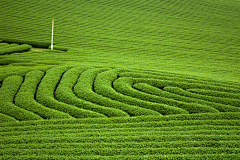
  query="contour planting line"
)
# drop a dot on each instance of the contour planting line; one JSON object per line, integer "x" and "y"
{"x": 104, "y": 87}
{"x": 45, "y": 95}
{"x": 65, "y": 94}
{"x": 25, "y": 98}
{"x": 147, "y": 88}
{"x": 124, "y": 85}
{"x": 8, "y": 92}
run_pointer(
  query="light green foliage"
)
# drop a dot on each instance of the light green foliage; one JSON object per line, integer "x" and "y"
{"x": 64, "y": 93}
{"x": 8, "y": 91}
{"x": 10, "y": 87}
{"x": 186, "y": 93}
{"x": 122, "y": 151}
{"x": 133, "y": 79}
{"x": 60, "y": 48}
{"x": 145, "y": 102}
{"x": 123, "y": 85}
{"x": 159, "y": 84}
{"x": 103, "y": 86}
{"x": 216, "y": 93}
{"x": 198, "y": 38}
{"x": 45, "y": 95}
{"x": 149, "y": 121}
{"x": 25, "y": 98}
{"x": 85, "y": 89}
{"x": 151, "y": 114}
{"x": 124, "y": 137}
{"x": 144, "y": 87}
{"x": 224, "y": 100}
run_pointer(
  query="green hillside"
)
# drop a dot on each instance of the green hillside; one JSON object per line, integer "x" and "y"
{"x": 126, "y": 79}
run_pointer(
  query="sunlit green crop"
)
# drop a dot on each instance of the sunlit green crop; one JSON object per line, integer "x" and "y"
{"x": 133, "y": 79}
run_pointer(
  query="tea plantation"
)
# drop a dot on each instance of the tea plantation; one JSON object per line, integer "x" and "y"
{"x": 133, "y": 79}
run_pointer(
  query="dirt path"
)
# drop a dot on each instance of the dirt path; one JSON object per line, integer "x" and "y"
{"x": 38, "y": 49}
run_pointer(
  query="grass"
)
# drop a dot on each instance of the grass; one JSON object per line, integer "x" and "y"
{"x": 126, "y": 79}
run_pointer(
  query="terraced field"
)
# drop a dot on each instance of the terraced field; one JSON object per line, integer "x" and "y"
{"x": 126, "y": 79}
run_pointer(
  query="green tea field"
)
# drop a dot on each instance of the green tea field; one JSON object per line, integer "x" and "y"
{"x": 125, "y": 79}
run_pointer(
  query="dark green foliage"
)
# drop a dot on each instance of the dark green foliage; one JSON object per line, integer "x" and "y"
{"x": 6, "y": 118}
{"x": 122, "y": 151}
{"x": 33, "y": 43}
{"x": 127, "y": 157}
{"x": 7, "y": 61}
{"x": 213, "y": 118}
{"x": 14, "y": 49}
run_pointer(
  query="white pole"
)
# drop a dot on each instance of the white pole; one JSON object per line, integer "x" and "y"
{"x": 52, "y": 34}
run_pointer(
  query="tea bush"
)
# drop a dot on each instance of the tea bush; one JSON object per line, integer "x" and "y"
{"x": 103, "y": 86}
{"x": 215, "y": 93}
{"x": 32, "y": 43}
{"x": 69, "y": 91}
{"x": 186, "y": 93}
{"x": 193, "y": 137}
{"x": 140, "y": 80}
{"x": 224, "y": 100}
{"x": 45, "y": 95}
{"x": 123, "y": 86}
{"x": 6, "y": 118}
{"x": 25, "y": 98}
{"x": 8, "y": 90}
{"x": 159, "y": 92}
{"x": 9, "y": 49}
{"x": 64, "y": 93}
{"x": 163, "y": 157}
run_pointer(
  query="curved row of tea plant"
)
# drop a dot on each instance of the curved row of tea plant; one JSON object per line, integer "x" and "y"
{"x": 106, "y": 108}
{"x": 190, "y": 36}
{"x": 82, "y": 92}
{"x": 8, "y": 91}
{"x": 65, "y": 92}
{"x": 6, "y": 48}
{"x": 25, "y": 97}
